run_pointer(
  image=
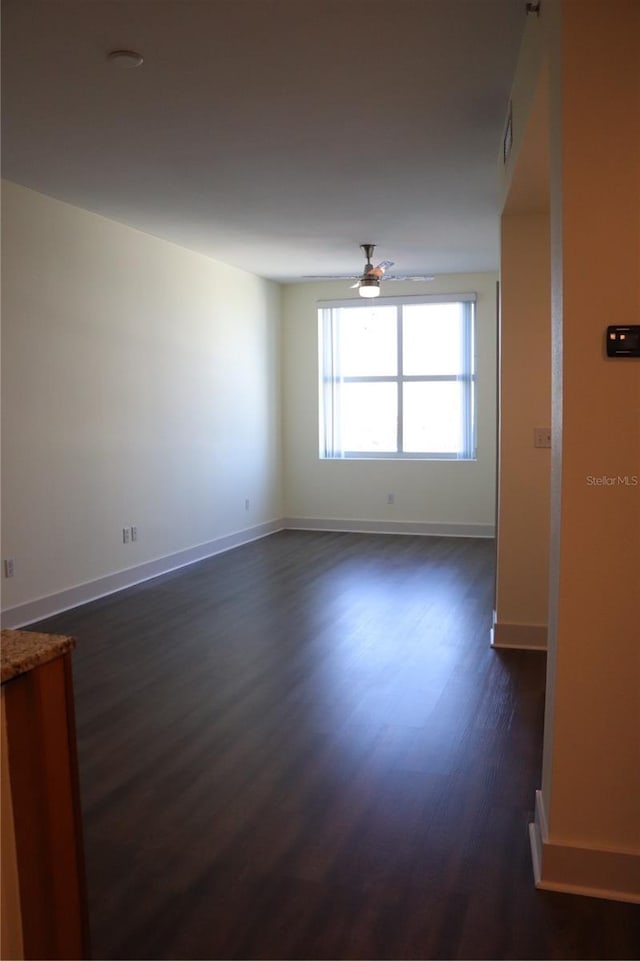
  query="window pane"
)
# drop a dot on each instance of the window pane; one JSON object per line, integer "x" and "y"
{"x": 433, "y": 417}
{"x": 368, "y": 341}
{"x": 369, "y": 417}
{"x": 432, "y": 339}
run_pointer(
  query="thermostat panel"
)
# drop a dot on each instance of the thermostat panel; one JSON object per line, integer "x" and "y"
{"x": 623, "y": 341}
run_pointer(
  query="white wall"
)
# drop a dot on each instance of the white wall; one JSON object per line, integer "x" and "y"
{"x": 140, "y": 385}
{"x": 460, "y": 495}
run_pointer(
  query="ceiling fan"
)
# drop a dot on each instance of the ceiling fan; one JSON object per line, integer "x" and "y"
{"x": 368, "y": 283}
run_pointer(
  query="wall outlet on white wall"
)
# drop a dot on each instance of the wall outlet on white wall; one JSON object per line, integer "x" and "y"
{"x": 9, "y": 567}
{"x": 134, "y": 533}
{"x": 247, "y": 504}
{"x": 126, "y": 535}
{"x": 391, "y": 498}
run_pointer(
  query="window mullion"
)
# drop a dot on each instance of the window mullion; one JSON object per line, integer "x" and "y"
{"x": 400, "y": 365}
{"x": 374, "y": 379}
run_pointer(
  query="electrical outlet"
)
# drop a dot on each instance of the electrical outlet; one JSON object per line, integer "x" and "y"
{"x": 391, "y": 498}
{"x": 9, "y": 567}
{"x": 542, "y": 437}
{"x": 247, "y": 504}
{"x": 126, "y": 535}
{"x": 134, "y": 533}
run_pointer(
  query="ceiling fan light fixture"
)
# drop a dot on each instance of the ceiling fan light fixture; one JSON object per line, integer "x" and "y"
{"x": 369, "y": 287}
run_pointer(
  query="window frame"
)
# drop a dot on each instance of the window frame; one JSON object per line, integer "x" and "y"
{"x": 468, "y": 377}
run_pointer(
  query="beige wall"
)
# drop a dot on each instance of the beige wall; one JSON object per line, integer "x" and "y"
{"x": 592, "y": 785}
{"x": 140, "y": 385}
{"x": 525, "y": 403}
{"x": 525, "y": 359}
{"x": 586, "y": 836}
{"x": 460, "y": 495}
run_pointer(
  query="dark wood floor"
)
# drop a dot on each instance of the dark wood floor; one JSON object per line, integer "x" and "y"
{"x": 305, "y": 748}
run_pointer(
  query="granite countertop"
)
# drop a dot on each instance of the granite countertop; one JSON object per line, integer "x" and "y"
{"x": 21, "y": 651}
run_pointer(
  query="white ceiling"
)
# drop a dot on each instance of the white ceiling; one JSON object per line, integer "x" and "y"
{"x": 275, "y": 135}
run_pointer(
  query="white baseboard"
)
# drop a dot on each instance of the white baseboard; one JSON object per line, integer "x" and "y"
{"x": 43, "y": 607}
{"x": 591, "y": 872}
{"x": 343, "y": 525}
{"x": 521, "y": 637}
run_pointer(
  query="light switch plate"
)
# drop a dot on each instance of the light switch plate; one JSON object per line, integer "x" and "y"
{"x": 542, "y": 437}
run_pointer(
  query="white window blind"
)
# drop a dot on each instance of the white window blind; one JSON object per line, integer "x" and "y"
{"x": 397, "y": 378}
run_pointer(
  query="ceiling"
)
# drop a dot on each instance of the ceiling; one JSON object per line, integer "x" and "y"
{"x": 275, "y": 135}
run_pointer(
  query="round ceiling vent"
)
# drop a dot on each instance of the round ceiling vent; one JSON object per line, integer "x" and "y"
{"x": 125, "y": 58}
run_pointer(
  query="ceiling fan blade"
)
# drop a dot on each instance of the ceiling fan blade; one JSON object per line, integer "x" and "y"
{"x": 422, "y": 277}
{"x": 370, "y": 272}
{"x": 380, "y": 269}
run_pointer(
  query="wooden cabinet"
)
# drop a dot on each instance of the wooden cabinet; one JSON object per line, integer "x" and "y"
{"x": 46, "y": 917}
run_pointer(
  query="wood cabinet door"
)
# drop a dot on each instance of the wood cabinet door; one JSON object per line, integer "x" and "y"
{"x": 46, "y": 811}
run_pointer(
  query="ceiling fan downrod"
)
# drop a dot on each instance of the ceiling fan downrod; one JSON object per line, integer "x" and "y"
{"x": 368, "y": 252}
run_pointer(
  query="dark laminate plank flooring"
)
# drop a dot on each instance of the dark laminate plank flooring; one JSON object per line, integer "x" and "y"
{"x": 305, "y": 748}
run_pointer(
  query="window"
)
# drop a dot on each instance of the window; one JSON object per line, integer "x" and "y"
{"x": 397, "y": 378}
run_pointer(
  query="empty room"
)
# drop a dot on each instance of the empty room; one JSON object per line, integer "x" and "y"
{"x": 320, "y": 479}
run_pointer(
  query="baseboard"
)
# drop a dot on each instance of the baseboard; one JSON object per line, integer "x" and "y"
{"x": 520, "y": 637}
{"x": 590, "y": 872}
{"x": 43, "y": 607}
{"x": 344, "y": 525}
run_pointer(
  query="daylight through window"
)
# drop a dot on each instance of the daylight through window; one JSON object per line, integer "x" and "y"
{"x": 397, "y": 378}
